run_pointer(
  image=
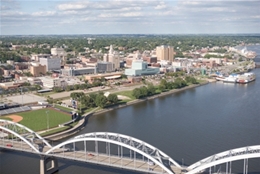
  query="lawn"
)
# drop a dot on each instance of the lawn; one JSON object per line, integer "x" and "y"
{"x": 6, "y": 118}
{"x": 39, "y": 120}
{"x": 126, "y": 93}
{"x": 63, "y": 108}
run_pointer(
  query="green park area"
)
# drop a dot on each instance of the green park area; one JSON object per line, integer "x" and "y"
{"x": 38, "y": 120}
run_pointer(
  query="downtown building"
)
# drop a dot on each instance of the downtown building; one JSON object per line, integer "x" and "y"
{"x": 165, "y": 52}
{"x": 51, "y": 63}
{"x": 113, "y": 57}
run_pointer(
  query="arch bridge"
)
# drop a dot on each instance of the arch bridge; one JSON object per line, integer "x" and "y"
{"x": 113, "y": 149}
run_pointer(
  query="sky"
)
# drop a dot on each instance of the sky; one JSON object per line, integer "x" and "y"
{"x": 37, "y": 17}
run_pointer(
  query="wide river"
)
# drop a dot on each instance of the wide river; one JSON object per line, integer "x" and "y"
{"x": 188, "y": 126}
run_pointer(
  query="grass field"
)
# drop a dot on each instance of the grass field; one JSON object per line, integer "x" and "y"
{"x": 63, "y": 108}
{"x": 38, "y": 120}
{"x": 126, "y": 93}
{"x": 6, "y": 118}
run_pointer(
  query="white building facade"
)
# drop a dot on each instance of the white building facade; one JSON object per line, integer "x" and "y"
{"x": 112, "y": 57}
{"x": 58, "y": 52}
{"x": 51, "y": 63}
{"x": 140, "y": 68}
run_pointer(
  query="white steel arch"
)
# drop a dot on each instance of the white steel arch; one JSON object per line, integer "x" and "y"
{"x": 224, "y": 157}
{"x": 132, "y": 142}
{"x": 7, "y": 124}
{"x": 147, "y": 150}
{"x": 21, "y": 137}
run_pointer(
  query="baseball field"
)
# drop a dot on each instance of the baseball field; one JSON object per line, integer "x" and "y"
{"x": 41, "y": 119}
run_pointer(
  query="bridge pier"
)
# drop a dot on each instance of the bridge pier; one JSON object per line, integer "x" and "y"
{"x": 43, "y": 165}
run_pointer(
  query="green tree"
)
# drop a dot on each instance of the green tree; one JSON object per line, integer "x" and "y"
{"x": 77, "y": 95}
{"x": 137, "y": 93}
{"x": 151, "y": 89}
{"x": 179, "y": 83}
{"x": 57, "y": 89}
{"x": 163, "y": 82}
{"x": 144, "y": 91}
{"x": 101, "y": 100}
{"x": 88, "y": 102}
{"x": 162, "y": 87}
{"x": 190, "y": 79}
{"x": 112, "y": 98}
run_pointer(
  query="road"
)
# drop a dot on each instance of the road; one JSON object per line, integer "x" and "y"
{"x": 130, "y": 162}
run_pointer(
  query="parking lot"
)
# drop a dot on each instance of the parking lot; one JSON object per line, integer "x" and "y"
{"x": 24, "y": 99}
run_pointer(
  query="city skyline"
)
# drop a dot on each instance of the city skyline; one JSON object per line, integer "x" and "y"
{"x": 20, "y": 17}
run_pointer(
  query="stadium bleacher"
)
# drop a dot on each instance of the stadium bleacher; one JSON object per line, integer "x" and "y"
{"x": 14, "y": 110}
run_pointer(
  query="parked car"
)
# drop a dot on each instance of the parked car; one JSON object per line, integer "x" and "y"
{"x": 90, "y": 154}
{"x": 9, "y": 145}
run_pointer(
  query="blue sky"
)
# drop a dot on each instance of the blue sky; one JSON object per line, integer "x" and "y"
{"x": 129, "y": 17}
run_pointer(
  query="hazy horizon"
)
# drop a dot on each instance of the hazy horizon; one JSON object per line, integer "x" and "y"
{"x": 156, "y": 17}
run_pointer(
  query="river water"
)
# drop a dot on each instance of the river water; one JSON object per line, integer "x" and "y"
{"x": 188, "y": 126}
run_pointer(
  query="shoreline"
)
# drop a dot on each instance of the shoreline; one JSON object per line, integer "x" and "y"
{"x": 82, "y": 123}
{"x": 148, "y": 98}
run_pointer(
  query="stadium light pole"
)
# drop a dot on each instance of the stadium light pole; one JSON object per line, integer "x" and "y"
{"x": 47, "y": 116}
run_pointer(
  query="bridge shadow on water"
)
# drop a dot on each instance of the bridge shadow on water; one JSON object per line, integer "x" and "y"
{"x": 13, "y": 162}
{"x": 69, "y": 167}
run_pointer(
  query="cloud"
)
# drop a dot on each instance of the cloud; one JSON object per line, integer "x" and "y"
{"x": 43, "y": 13}
{"x": 3, "y": 8}
{"x": 120, "y": 13}
{"x": 9, "y": 5}
{"x": 160, "y": 6}
{"x": 73, "y": 6}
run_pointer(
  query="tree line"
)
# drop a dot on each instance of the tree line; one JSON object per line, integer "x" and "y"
{"x": 94, "y": 99}
{"x": 163, "y": 86}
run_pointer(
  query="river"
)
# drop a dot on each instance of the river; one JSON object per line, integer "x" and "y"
{"x": 188, "y": 126}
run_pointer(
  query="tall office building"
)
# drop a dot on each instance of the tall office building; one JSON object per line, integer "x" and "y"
{"x": 112, "y": 57}
{"x": 165, "y": 53}
{"x": 51, "y": 63}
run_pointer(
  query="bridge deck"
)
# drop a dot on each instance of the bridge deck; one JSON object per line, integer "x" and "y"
{"x": 91, "y": 157}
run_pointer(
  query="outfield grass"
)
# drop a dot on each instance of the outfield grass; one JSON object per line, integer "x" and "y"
{"x": 63, "y": 108}
{"x": 38, "y": 120}
{"x": 54, "y": 131}
{"x": 6, "y": 118}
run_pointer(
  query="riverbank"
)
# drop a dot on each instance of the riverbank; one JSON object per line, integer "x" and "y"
{"x": 148, "y": 98}
{"x": 81, "y": 124}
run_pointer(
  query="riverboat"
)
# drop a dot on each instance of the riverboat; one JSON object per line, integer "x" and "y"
{"x": 246, "y": 78}
{"x": 231, "y": 78}
{"x": 219, "y": 78}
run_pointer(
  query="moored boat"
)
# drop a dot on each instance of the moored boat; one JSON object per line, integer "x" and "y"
{"x": 246, "y": 78}
{"x": 220, "y": 78}
{"x": 231, "y": 78}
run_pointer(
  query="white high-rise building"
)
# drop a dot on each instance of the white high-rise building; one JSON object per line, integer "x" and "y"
{"x": 58, "y": 52}
{"x": 51, "y": 63}
{"x": 112, "y": 57}
{"x": 165, "y": 53}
